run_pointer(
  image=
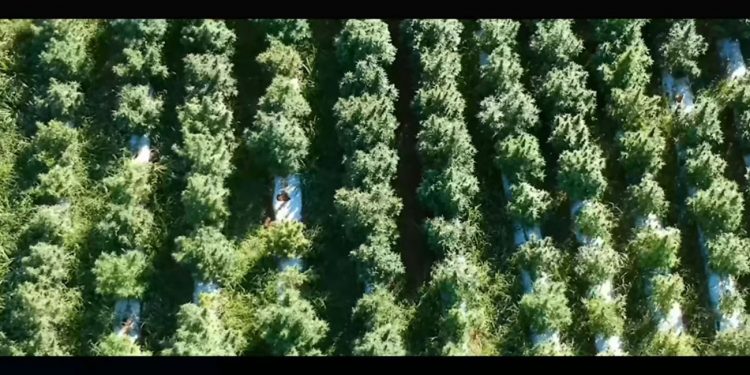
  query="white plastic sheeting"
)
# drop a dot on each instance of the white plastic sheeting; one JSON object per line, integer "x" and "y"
{"x": 719, "y": 286}
{"x": 484, "y": 59}
{"x": 672, "y": 319}
{"x": 369, "y": 287}
{"x": 575, "y": 208}
{"x": 545, "y": 338}
{"x": 526, "y": 282}
{"x": 679, "y": 92}
{"x": 128, "y": 318}
{"x": 539, "y": 338}
{"x": 521, "y": 234}
{"x": 287, "y": 206}
{"x": 204, "y": 288}
{"x": 672, "y": 322}
{"x": 611, "y": 344}
{"x": 286, "y": 263}
{"x": 731, "y": 58}
{"x": 604, "y": 290}
{"x": 287, "y": 198}
{"x": 141, "y": 147}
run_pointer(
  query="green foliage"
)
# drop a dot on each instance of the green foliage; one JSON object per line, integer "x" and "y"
{"x": 667, "y": 291}
{"x": 520, "y": 158}
{"x": 647, "y": 197}
{"x": 210, "y": 256}
{"x": 129, "y": 184}
{"x": 206, "y": 74}
{"x": 594, "y": 220}
{"x": 597, "y": 264}
{"x": 439, "y": 69}
{"x": 8, "y": 348}
{"x": 375, "y": 166}
{"x": 682, "y": 48}
{"x": 580, "y": 173}
{"x": 443, "y": 141}
{"x": 497, "y": 32}
{"x": 450, "y": 236}
{"x": 439, "y": 101}
{"x": 42, "y": 316}
{"x": 377, "y": 263}
{"x": 138, "y": 109}
{"x": 563, "y": 90}
{"x": 364, "y": 121}
{"x": 569, "y": 132}
{"x": 554, "y": 43}
{"x": 208, "y": 36}
{"x": 207, "y": 114}
{"x": 60, "y": 101}
{"x": 503, "y": 69}
{"x": 204, "y": 199}
{"x": 54, "y": 144}
{"x": 201, "y": 332}
{"x": 731, "y": 303}
{"x": 127, "y": 224}
{"x": 62, "y": 49}
{"x": 42, "y": 307}
{"x": 289, "y": 324}
{"x": 702, "y": 124}
{"x": 528, "y": 204}
{"x": 538, "y": 257}
{"x": 546, "y": 308}
{"x": 714, "y": 209}
{"x": 281, "y": 60}
{"x": 284, "y": 239}
{"x": 367, "y": 77}
{"x": 279, "y": 140}
{"x": 617, "y": 32}
{"x": 118, "y": 346}
{"x": 731, "y": 343}
{"x": 47, "y": 264}
{"x": 433, "y": 34}
{"x": 365, "y": 39}
{"x": 121, "y": 276}
{"x": 669, "y": 344}
{"x": 703, "y": 166}
{"x": 743, "y": 127}
{"x": 52, "y": 224}
{"x": 622, "y": 54}
{"x": 631, "y": 68}
{"x": 656, "y": 250}
{"x": 207, "y": 135}
{"x": 550, "y": 349}
{"x": 459, "y": 286}
{"x": 729, "y": 254}
{"x": 382, "y": 323}
{"x": 633, "y": 109}
{"x": 295, "y": 32}
{"x": 59, "y": 183}
{"x": 642, "y": 151}
{"x": 510, "y": 111}
{"x": 370, "y": 212}
{"x": 142, "y": 42}
{"x": 606, "y": 318}
{"x": 449, "y": 192}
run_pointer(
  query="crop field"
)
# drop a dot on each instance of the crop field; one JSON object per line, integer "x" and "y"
{"x": 418, "y": 187}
